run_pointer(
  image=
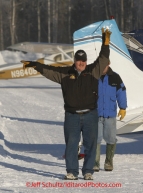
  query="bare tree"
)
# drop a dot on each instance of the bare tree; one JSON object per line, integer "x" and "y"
{"x": 110, "y": 9}
{"x": 140, "y": 21}
{"x": 131, "y": 11}
{"x": 12, "y": 24}
{"x": 49, "y": 21}
{"x": 122, "y": 15}
{"x": 92, "y": 11}
{"x": 1, "y": 27}
{"x": 39, "y": 20}
{"x": 106, "y": 9}
{"x": 69, "y": 20}
{"x": 55, "y": 20}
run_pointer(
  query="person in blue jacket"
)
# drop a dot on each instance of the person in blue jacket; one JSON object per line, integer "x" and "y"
{"x": 111, "y": 91}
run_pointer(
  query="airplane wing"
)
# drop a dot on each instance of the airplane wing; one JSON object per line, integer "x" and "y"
{"x": 15, "y": 70}
{"x": 133, "y": 122}
{"x": 38, "y": 47}
{"x": 53, "y": 54}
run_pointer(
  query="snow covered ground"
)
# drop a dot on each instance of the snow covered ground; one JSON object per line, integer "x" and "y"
{"x": 32, "y": 145}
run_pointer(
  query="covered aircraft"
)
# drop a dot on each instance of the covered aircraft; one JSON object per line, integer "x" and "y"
{"x": 134, "y": 43}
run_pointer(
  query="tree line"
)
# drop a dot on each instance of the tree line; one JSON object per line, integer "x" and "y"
{"x": 54, "y": 21}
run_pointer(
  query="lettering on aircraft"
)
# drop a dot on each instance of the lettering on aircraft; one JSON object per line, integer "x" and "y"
{"x": 23, "y": 72}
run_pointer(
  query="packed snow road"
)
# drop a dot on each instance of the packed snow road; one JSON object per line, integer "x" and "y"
{"x": 32, "y": 145}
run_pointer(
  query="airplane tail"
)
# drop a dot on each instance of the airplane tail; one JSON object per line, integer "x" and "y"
{"x": 89, "y": 39}
{"x": 122, "y": 54}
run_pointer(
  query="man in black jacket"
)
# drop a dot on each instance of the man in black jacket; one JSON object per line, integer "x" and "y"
{"x": 80, "y": 89}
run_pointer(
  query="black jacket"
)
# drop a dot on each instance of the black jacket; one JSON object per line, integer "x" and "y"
{"x": 79, "y": 91}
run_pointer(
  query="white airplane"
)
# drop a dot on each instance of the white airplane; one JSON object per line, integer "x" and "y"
{"x": 89, "y": 39}
{"x": 58, "y": 55}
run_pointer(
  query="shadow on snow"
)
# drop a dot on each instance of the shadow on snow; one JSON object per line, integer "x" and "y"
{"x": 133, "y": 147}
{"x": 34, "y": 120}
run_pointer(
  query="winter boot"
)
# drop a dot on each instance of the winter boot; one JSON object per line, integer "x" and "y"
{"x": 110, "y": 150}
{"x": 70, "y": 176}
{"x": 88, "y": 176}
{"x": 97, "y": 159}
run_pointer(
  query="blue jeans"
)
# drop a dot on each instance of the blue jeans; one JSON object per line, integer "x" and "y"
{"x": 107, "y": 130}
{"x": 73, "y": 126}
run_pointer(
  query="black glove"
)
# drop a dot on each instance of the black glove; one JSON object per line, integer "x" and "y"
{"x": 28, "y": 64}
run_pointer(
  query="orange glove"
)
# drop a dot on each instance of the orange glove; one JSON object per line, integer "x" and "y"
{"x": 106, "y": 36}
{"x": 122, "y": 113}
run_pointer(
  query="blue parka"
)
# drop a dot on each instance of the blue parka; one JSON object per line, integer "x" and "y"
{"x": 111, "y": 90}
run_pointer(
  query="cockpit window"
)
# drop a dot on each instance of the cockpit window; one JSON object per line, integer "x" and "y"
{"x": 58, "y": 58}
{"x": 70, "y": 54}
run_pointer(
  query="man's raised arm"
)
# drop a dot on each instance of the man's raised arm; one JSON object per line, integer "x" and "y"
{"x": 103, "y": 60}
